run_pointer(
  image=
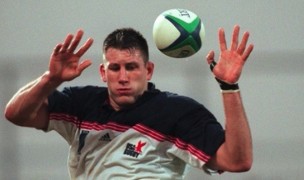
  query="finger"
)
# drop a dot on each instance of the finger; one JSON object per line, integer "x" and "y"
{"x": 210, "y": 57}
{"x": 57, "y": 48}
{"x": 247, "y": 52}
{"x": 243, "y": 43}
{"x": 222, "y": 40}
{"x": 235, "y": 36}
{"x": 210, "y": 60}
{"x": 76, "y": 41}
{"x": 85, "y": 47}
{"x": 66, "y": 43}
{"x": 83, "y": 65}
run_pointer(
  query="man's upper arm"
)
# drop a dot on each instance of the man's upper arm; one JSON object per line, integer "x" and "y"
{"x": 217, "y": 161}
{"x": 223, "y": 161}
{"x": 41, "y": 119}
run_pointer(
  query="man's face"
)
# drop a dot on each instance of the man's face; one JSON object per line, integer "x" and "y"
{"x": 126, "y": 75}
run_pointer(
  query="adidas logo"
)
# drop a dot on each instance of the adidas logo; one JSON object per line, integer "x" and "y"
{"x": 105, "y": 137}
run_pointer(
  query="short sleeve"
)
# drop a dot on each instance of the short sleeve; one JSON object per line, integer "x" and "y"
{"x": 62, "y": 116}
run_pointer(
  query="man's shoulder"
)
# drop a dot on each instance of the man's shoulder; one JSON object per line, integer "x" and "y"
{"x": 174, "y": 97}
{"x": 86, "y": 89}
{"x": 175, "y": 101}
{"x": 84, "y": 93}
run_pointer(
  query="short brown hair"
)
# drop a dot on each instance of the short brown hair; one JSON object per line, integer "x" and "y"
{"x": 127, "y": 38}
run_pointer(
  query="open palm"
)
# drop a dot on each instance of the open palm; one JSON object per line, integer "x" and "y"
{"x": 231, "y": 61}
{"x": 64, "y": 63}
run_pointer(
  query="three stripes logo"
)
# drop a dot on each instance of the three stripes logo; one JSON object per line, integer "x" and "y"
{"x": 106, "y": 137}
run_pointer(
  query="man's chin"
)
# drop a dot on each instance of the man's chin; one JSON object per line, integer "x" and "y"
{"x": 125, "y": 101}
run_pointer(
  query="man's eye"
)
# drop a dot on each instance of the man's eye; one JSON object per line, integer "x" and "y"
{"x": 114, "y": 68}
{"x": 130, "y": 67}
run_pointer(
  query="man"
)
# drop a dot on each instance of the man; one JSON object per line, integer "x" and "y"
{"x": 131, "y": 130}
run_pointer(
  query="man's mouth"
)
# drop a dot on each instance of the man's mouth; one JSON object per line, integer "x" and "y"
{"x": 124, "y": 91}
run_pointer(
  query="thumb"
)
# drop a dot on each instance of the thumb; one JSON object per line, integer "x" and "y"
{"x": 210, "y": 57}
{"x": 83, "y": 65}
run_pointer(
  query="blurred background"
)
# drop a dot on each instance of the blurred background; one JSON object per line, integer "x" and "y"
{"x": 272, "y": 81}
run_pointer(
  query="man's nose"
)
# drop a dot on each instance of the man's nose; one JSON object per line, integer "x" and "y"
{"x": 123, "y": 75}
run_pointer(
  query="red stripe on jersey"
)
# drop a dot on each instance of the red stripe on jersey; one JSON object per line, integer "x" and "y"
{"x": 178, "y": 142}
{"x": 139, "y": 127}
{"x": 88, "y": 125}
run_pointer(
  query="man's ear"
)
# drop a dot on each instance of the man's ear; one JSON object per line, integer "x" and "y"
{"x": 150, "y": 70}
{"x": 102, "y": 72}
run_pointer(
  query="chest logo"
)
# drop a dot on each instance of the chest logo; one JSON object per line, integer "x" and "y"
{"x": 134, "y": 150}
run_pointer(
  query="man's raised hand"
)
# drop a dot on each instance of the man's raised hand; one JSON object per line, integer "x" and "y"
{"x": 65, "y": 63}
{"x": 231, "y": 61}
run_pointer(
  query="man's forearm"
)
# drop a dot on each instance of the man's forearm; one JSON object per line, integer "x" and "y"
{"x": 238, "y": 136}
{"x": 26, "y": 103}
